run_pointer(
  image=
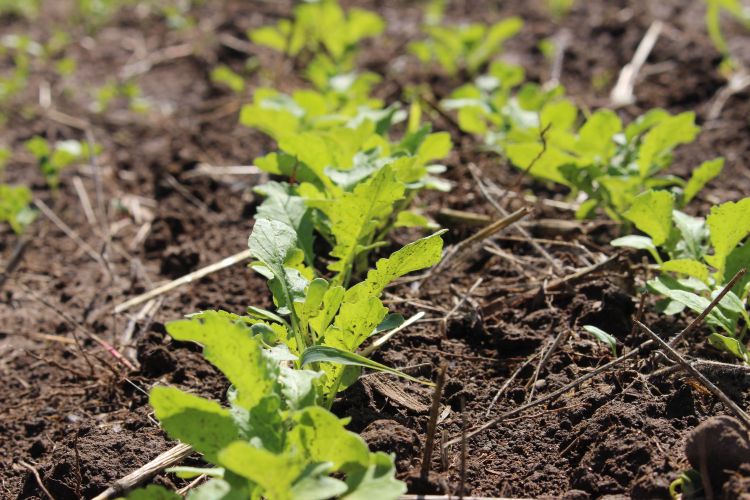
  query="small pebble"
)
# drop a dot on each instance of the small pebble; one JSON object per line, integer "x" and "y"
{"x": 540, "y": 384}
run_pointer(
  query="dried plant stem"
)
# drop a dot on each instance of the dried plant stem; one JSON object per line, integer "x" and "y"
{"x": 481, "y": 235}
{"x": 38, "y": 478}
{"x": 698, "y": 320}
{"x": 170, "y": 457}
{"x": 622, "y": 93}
{"x": 555, "y": 394}
{"x": 432, "y": 424}
{"x": 14, "y": 260}
{"x": 695, "y": 373}
{"x": 549, "y": 397}
{"x": 509, "y": 381}
{"x": 188, "y": 278}
{"x": 559, "y": 339}
{"x": 96, "y": 338}
{"x": 72, "y": 235}
{"x": 504, "y": 213}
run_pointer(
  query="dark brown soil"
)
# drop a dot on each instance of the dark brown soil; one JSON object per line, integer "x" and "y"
{"x": 82, "y": 420}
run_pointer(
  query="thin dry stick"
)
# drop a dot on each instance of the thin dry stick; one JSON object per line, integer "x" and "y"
{"x": 191, "y": 485}
{"x": 96, "y": 338}
{"x": 38, "y": 478}
{"x": 155, "y": 58}
{"x": 509, "y": 381}
{"x": 99, "y": 186}
{"x": 737, "y": 83}
{"x": 697, "y": 321}
{"x": 432, "y": 425}
{"x": 522, "y": 231}
{"x": 553, "y": 395}
{"x": 549, "y": 397}
{"x": 167, "y": 459}
{"x": 679, "y": 359}
{"x": 622, "y": 93}
{"x": 204, "y": 169}
{"x": 88, "y": 211}
{"x": 481, "y": 235}
{"x": 461, "y": 302}
{"x": 520, "y": 175}
{"x": 563, "y": 335}
{"x": 562, "y": 39}
{"x": 571, "y": 278}
{"x": 72, "y": 235}
{"x": 377, "y": 344}
{"x": 14, "y": 260}
{"x": 463, "y": 450}
{"x": 188, "y": 278}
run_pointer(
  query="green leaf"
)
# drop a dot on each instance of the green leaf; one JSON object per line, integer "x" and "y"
{"x": 15, "y": 207}
{"x": 283, "y": 205}
{"x": 358, "y": 317}
{"x": 693, "y": 233}
{"x": 659, "y": 142}
{"x": 39, "y": 147}
{"x": 274, "y": 243}
{"x": 639, "y": 243}
{"x": 596, "y": 137}
{"x": 199, "y": 422}
{"x": 728, "y": 224}
{"x": 269, "y": 36}
{"x": 695, "y": 303}
{"x": 224, "y": 75}
{"x": 322, "y": 353}
{"x": 687, "y": 266}
{"x": 298, "y": 387}
{"x": 356, "y": 215}
{"x": 220, "y": 489}
{"x": 651, "y": 212}
{"x": 230, "y": 347}
{"x": 730, "y": 345}
{"x": 153, "y": 492}
{"x": 274, "y": 473}
{"x": 313, "y": 484}
{"x": 321, "y": 437}
{"x": 738, "y": 259}
{"x": 603, "y": 336}
{"x": 378, "y": 480}
{"x": 701, "y": 176}
{"x": 411, "y": 219}
{"x": 184, "y": 472}
{"x": 434, "y": 147}
{"x": 417, "y": 255}
{"x": 331, "y": 302}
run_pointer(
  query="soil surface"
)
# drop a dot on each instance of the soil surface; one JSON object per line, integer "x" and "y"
{"x": 74, "y": 418}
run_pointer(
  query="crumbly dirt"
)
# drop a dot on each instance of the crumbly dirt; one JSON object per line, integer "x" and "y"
{"x": 82, "y": 420}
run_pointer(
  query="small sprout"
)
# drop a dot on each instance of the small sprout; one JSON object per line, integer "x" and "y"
{"x": 466, "y": 47}
{"x": 15, "y": 207}
{"x": 603, "y": 337}
{"x": 703, "y": 255}
{"x": 224, "y": 75}
{"x": 53, "y": 160}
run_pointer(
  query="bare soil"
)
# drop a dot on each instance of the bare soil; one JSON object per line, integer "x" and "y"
{"x": 82, "y": 420}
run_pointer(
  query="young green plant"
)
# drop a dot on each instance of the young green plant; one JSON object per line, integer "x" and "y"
{"x": 467, "y": 47}
{"x": 272, "y": 441}
{"x": 696, "y": 259}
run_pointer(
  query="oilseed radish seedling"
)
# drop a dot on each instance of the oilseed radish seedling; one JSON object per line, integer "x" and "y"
{"x": 467, "y": 47}
{"x": 324, "y": 33}
{"x": 696, "y": 260}
{"x": 15, "y": 207}
{"x": 272, "y": 440}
